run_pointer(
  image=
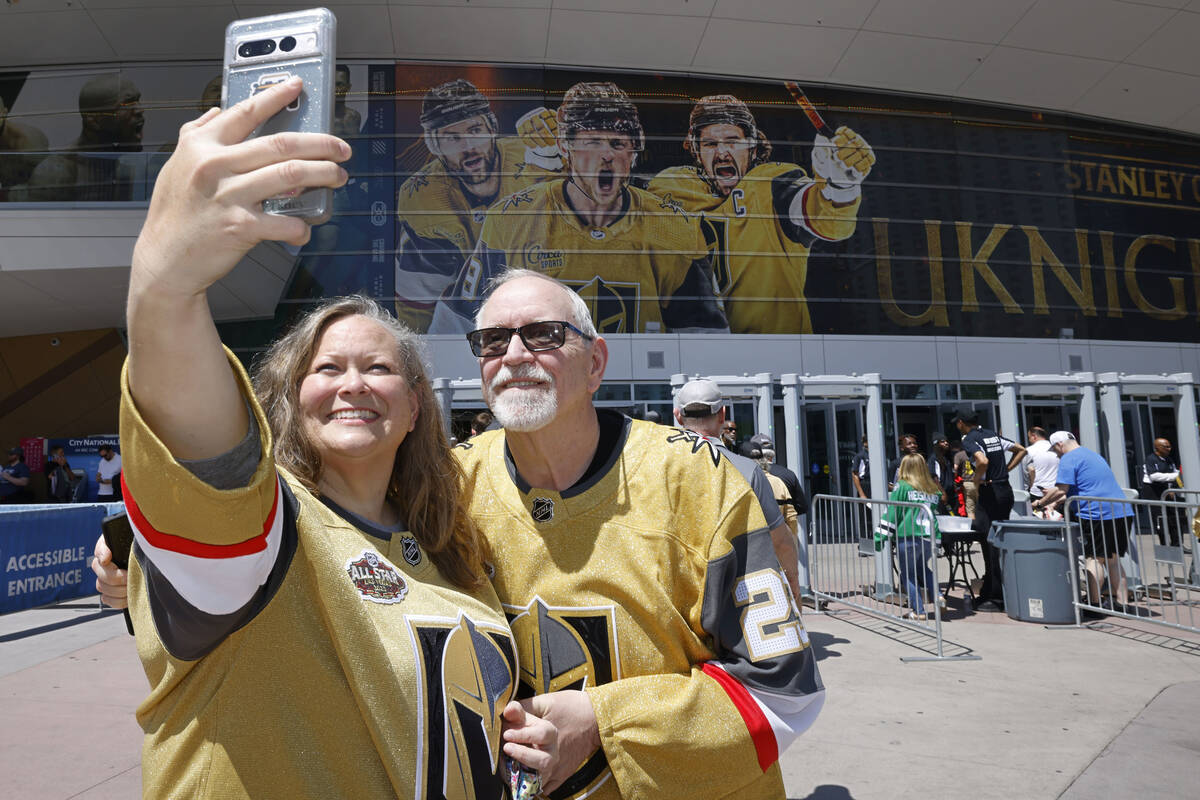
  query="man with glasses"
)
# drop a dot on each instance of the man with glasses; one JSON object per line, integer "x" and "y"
{"x": 729, "y": 434}
{"x": 641, "y": 264}
{"x": 762, "y": 217}
{"x": 636, "y": 568}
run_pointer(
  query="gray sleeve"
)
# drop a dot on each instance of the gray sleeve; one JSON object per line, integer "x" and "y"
{"x": 763, "y": 650}
{"x": 758, "y": 482}
{"x": 766, "y": 498}
{"x": 233, "y": 469}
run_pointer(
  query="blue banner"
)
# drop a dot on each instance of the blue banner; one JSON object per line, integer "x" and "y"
{"x": 45, "y": 552}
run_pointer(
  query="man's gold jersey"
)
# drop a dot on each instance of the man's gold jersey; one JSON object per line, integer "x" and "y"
{"x": 646, "y": 272}
{"x": 653, "y": 586}
{"x": 760, "y": 255}
{"x": 439, "y": 223}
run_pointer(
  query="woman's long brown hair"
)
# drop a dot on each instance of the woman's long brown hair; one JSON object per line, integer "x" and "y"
{"x": 426, "y": 480}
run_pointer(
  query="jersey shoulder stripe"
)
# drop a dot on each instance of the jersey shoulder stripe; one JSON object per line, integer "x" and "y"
{"x": 162, "y": 540}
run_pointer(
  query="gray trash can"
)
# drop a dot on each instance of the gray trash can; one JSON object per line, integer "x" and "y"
{"x": 1036, "y": 568}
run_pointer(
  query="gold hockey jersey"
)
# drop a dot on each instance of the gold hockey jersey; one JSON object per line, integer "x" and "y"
{"x": 654, "y": 587}
{"x": 294, "y": 652}
{"x": 646, "y": 272}
{"x": 439, "y": 223}
{"x": 760, "y": 248}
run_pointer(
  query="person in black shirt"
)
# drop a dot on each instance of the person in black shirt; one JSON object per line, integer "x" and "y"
{"x": 1159, "y": 473}
{"x": 942, "y": 471}
{"x": 986, "y": 449}
{"x": 763, "y": 443}
{"x": 860, "y": 472}
{"x": 908, "y": 445}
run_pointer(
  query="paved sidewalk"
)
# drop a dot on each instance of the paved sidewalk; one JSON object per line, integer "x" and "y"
{"x": 1108, "y": 711}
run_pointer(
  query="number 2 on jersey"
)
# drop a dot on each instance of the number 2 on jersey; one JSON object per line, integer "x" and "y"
{"x": 769, "y": 625}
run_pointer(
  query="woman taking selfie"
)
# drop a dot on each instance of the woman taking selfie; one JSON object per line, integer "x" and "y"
{"x": 310, "y": 600}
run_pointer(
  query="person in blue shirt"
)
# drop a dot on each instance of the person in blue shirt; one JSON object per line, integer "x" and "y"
{"x": 1104, "y": 525}
{"x": 14, "y": 478}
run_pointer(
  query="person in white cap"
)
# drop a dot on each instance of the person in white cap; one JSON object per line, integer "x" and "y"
{"x": 700, "y": 408}
{"x": 1104, "y": 525}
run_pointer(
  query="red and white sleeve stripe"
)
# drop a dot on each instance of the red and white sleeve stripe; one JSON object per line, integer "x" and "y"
{"x": 798, "y": 211}
{"x": 216, "y": 579}
{"x": 773, "y": 720}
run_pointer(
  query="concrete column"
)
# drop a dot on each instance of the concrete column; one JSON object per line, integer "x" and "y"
{"x": 883, "y": 559}
{"x": 1112, "y": 425}
{"x": 793, "y": 420}
{"x": 1089, "y": 419}
{"x": 764, "y": 409}
{"x": 1188, "y": 431}
{"x": 444, "y": 393}
{"x": 1010, "y": 424}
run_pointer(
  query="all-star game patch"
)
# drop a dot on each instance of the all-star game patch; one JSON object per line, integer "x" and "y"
{"x": 411, "y": 550}
{"x": 543, "y": 509}
{"x": 376, "y": 579}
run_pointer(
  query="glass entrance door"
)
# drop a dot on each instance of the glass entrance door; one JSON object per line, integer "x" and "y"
{"x": 833, "y": 432}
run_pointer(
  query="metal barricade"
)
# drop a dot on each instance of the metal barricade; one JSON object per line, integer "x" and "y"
{"x": 1190, "y": 532}
{"x": 1110, "y": 528}
{"x": 855, "y": 561}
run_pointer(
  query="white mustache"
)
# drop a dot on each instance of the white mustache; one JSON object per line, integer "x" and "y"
{"x": 531, "y": 372}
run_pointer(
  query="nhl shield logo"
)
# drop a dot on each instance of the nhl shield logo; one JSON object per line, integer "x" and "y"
{"x": 598, "y": 234}
{"x": 376, "y": 579}
{"x": 411, "y": 550}
{"x": 479, "y": 216}
{"x": 543, "y": 509}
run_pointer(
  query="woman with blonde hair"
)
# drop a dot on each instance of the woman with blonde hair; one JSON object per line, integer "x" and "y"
{"x": 309, "y": 596}
{"x": 913, "y": 532}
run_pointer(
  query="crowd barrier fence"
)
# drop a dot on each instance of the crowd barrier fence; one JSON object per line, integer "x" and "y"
{"x": 1153, "y": 532}
{"x": 846, "y": 568}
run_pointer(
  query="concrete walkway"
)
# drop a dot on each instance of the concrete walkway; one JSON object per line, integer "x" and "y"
{"x": 1109, "y": 711}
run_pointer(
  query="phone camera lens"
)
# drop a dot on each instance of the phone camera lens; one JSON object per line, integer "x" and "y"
{"x": 245, "y": 51}
{"x": 287, "y": 44}
{"x": 268, "y": 46}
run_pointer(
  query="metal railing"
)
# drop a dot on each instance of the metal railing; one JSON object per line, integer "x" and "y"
{"x": 854, "y": 562}
{"x": 1153, "y": 584}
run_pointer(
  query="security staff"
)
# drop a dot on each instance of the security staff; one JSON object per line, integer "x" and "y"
{"x": 1160, "y": 473}
{"x": 986, "y": 450}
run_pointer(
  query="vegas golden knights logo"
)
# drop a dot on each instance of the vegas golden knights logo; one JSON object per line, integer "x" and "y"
{"x": 566, "y": 648}
{"x": 614, "y": 306}
{"x": 468, "y": 676}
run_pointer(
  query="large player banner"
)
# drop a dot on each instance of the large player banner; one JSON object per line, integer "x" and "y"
{"x": 796, "y": 209}
{"x": 681, "y": 203}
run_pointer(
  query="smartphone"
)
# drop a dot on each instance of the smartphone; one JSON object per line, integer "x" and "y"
{"x": 265, "y": 51}
{"x": 118, "y": 535}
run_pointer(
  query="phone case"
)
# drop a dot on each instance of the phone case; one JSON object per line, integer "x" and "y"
{"x": 118, "y": 535}
{"x": 251, "y": 66}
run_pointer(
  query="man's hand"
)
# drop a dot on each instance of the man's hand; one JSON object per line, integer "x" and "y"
{"x": 111, "y": 582}
{"x": 529, "y": 739}
{"x": 571, "y": 712}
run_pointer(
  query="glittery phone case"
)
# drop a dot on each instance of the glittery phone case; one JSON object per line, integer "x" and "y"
{"x": 264, "y": 51}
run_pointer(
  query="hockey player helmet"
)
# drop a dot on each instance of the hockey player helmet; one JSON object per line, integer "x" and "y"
{"x": 717, "y": 109}
{"x": 450, "y": 103}
{"x": 599, "y": 106}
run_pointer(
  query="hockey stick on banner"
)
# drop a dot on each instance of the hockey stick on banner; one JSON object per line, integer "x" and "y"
{"x": 809, "y": 109}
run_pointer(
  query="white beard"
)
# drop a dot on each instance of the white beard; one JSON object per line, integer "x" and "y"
{"x": 522, "y": 410}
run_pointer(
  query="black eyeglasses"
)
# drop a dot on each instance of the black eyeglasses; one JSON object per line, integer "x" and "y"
{"x": 536, "y": 336}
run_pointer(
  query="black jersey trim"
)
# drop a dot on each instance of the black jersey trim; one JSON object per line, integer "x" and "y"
{"x": 364, "y": 524}
{"x": 614, "y": 433}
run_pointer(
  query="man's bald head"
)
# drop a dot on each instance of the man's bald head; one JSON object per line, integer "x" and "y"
{"x": 573, "y": 308}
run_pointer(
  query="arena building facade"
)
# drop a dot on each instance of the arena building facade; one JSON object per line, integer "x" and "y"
{"x": 1022, "y": 241}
